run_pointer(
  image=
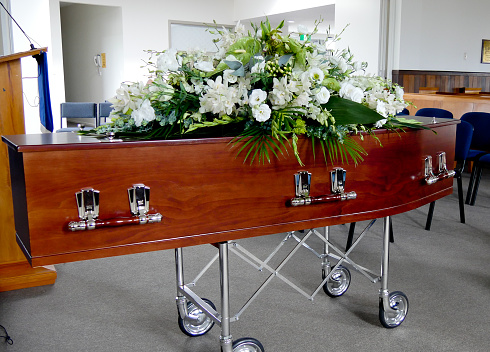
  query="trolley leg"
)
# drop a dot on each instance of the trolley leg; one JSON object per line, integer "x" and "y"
{"x": 325, "y": 261}
{"x": 225, "y": 338}
{"x": 384, "y": 293}
{"x": 179, "y": 272}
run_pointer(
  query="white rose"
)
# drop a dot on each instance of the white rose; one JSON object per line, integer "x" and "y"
{"x": 261, "y": 112}
{"x": 323, "y": 96}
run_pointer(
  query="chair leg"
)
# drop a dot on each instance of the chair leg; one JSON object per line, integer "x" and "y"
{"x": 469, "y": 192}
{"x": 460, "y": 198}
{"x": 477, "y": 184}
{"x": 350, "y": 237}
{"x": 429, "y": 215}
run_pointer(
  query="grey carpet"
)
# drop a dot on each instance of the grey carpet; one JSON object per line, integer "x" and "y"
{"x": 127, "y": 303}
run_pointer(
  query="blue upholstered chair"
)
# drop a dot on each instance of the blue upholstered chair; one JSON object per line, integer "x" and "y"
{"x": 480, "y": 145}
{"x": 104, "y": 111}
{"x": 481, "y": 163}
{"x": 404, "y": 112}
{"x": 464, "y": 134}
{"x": 77, "y": 111}
{"x": 434, "y": 112}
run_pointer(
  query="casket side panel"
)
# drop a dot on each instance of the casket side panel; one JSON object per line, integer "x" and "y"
{"x": 207, "y": 195}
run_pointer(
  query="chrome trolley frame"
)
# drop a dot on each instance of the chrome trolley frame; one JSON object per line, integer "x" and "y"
{"x": 197, "y": 316}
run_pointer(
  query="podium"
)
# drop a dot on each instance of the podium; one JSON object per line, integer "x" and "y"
{"x": 15, "y": 271}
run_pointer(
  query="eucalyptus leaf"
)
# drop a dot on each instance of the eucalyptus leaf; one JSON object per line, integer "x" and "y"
{"x": 234, "y": 65}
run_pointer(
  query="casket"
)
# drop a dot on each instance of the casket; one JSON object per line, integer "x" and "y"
{"x": 204, "y": 192}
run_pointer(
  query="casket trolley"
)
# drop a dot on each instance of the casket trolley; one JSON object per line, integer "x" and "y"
{"x": 202, "y": 194}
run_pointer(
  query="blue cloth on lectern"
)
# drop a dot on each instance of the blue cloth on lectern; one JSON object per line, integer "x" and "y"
{"x": 45, "y": 111}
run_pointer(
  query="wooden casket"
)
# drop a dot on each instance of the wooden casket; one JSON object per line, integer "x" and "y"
{"x": 203, "y": 191}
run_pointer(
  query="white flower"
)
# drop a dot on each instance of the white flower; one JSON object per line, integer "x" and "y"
{"x": 219, "y": 98}
{"x": 316, "y": 74}
{"x": 167, "y": 61}
{"x": 323, "y": 96}
{"x": 229, "y": 77}
{"x": 350, "y": 92}
{"x": 144, "y": 113}
{"x": 380, "y": 123}
{"x": 399, "y": 92}
{"x": 205, "y": 66}
{"x": 261, "y": 112}
{"x": 257, "y": 97}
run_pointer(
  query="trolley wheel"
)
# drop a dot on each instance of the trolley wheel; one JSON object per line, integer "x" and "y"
{"x": 203, "y": 324}
{"x": 247, "y": 344}
{"x": 399, "y": 302}
{"x": 338, "y": 283}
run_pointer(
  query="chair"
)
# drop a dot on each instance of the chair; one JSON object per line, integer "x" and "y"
{"x": 404, "y": 112}
{"x": 477, "y": 171}
{"x": 464, "y": 134}
{"x": 480, "y": 145}
{"x": 434, "y": 112}
{"x": 77, "y": 111}
{"x": 104, "y": 111}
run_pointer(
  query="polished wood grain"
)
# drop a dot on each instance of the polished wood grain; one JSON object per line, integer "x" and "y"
{"x": 446, "y": 81}
{"x": 205, "y": 194}
{"x": 457, "y": 104}
{"x": 15, "y": 272}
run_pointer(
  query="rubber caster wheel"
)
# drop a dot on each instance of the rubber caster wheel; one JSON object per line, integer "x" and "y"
{"x": 399, "y": 302}
{"x": 247, "y": 344}
{"x": 199, "y": 327}
{"x": 338, "y": 283}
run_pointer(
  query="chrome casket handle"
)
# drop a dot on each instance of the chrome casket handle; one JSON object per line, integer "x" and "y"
{"x": 88, "y": 210}
{"x": 443, "y": 172}
{"x": 303, "y": 182}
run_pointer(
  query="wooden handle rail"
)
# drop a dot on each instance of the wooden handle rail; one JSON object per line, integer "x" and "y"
{"x": 98, "y": 223}
{"x": 298, "y": 201}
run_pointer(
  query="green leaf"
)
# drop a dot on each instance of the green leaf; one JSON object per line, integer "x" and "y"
{"x": 283, "y": 60}
{"x": 349, "y": 112}
{"x": 234, "y": 65}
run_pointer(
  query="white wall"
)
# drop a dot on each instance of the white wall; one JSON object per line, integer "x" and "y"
{"x": 31, "y": 22}
{"x": 362, "y": 34}
{"x": 102, "y": 33}
{"x": 145, "y": 26}
{"x": 436, "y": 34}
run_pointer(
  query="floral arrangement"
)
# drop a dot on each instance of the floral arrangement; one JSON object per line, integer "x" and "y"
{"x": 262, "y": 88}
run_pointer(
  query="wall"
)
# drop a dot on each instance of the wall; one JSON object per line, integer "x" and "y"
{"x": 102, "y": 33}
{"x": 361, "y": 36}
{"x": 436, "y": 34}
{"x": 145, "y": 26}
{"x": 31, "y": 22}
{"x": 363, "y": 31}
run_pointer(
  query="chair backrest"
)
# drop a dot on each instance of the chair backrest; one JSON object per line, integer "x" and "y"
{"x": 464, "y": 134}
{"x": 481, "y": 124}
{"x": 105, "y": 109}
{"x": 79, "y": 111}
{"x": 434, "y": 112}
{"x": 404, "y": 112}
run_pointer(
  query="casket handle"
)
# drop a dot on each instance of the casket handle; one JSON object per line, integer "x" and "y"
{"x": 88, "y": 210}
{"x": 303, "y": 182}
{"x": 443, "y": 172}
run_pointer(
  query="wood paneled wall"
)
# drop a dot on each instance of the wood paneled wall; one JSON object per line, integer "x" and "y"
{"x": 411, "y": 80}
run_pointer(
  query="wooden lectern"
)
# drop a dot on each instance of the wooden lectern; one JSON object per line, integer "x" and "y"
{"x": 15, "y": 271}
